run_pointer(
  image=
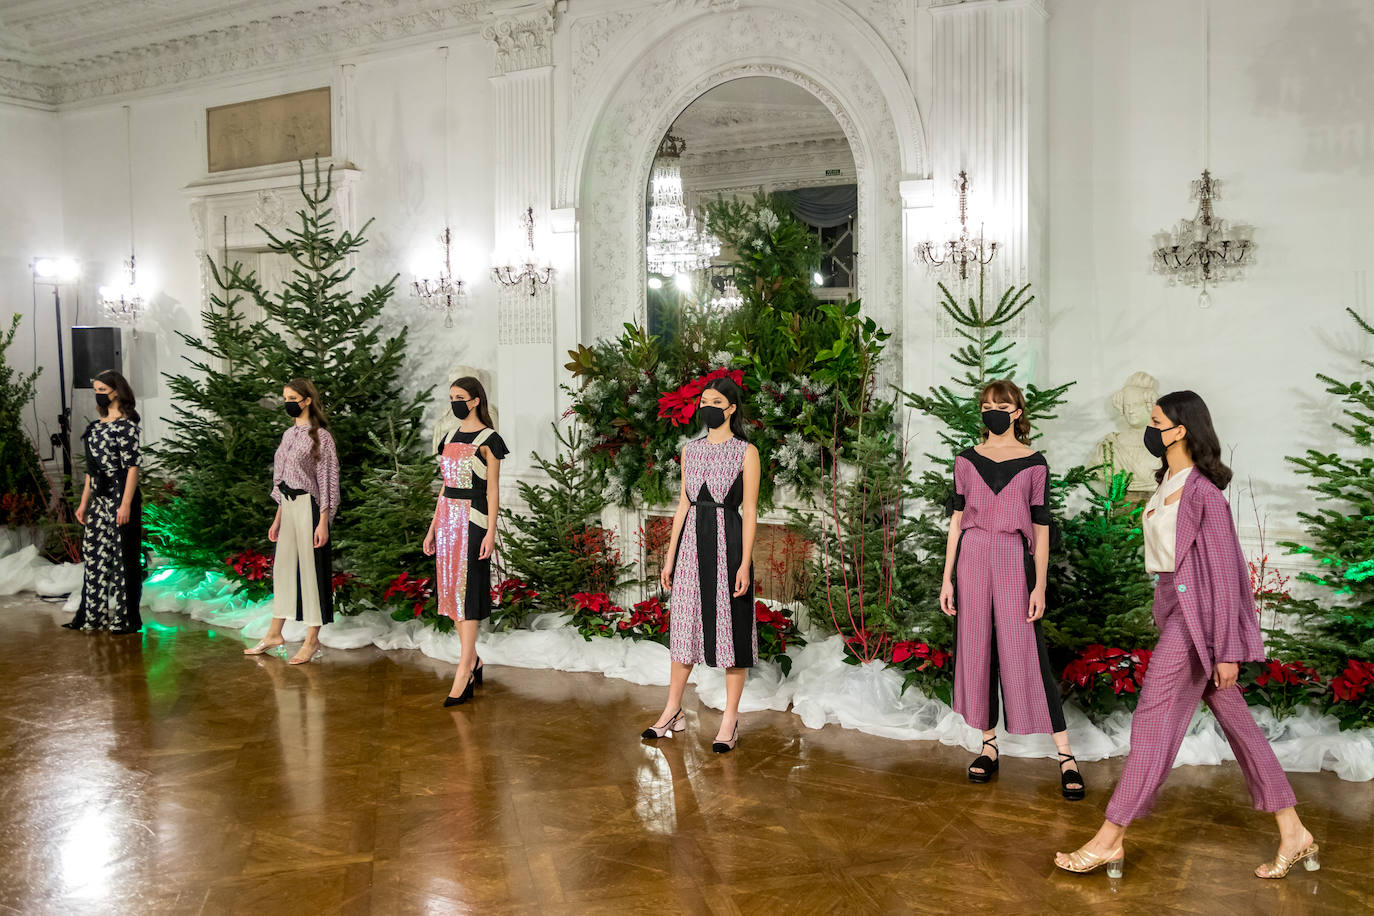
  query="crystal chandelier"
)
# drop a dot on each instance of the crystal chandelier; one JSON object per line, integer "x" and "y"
{"x": 1203, "y": 250}
{"x": 532, "y": 271}
{"x": 675, "y": 243}
{"x": 442, "y": 293}
{"x": 123, "y": 302}
{"x": 962, "y": 251}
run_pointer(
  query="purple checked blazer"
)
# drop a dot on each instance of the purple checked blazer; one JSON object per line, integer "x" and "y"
{"x": 1213, "y": 579}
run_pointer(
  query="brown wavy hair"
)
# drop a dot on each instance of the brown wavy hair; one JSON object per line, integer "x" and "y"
{"x": 1187, "y": 409}
{"x": 122, "y": 390}
{"x": 1005, "y": 391}
{"x": 318, "y": 418}
{"x": 473, "y": 387}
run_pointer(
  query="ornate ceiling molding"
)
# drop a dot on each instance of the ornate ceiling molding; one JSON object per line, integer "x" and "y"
{"x": 320, "y": 33}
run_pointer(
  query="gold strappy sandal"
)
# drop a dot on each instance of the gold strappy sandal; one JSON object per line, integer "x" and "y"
{"x": 1081, "y": 862}
{"x": 1281, "y": 864}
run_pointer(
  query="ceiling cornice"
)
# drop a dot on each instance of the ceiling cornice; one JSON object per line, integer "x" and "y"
{"x": 324, "y": 32}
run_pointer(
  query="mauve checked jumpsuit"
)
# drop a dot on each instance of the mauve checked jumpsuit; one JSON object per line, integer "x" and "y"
{"x": 1001, "y": 501}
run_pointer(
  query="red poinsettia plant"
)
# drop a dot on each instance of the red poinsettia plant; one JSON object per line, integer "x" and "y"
{"x": 1282, "y": 686}
{"x": 776, "y": 632}
{"x": 595, "y": 614}
{"x": 646, "y": 620}
{"x": 925, "y": 667}
{"x": 512, "y": 600}
{"x": 1103, "y": 679}
{"x": 253, "y": 570}
{"x": 1351, "y": 700}
{"x": 411, "y": 596}
{"x": 678, "y": 407}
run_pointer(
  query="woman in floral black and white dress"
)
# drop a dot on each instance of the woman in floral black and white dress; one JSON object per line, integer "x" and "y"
{"x": 112, "y": 510}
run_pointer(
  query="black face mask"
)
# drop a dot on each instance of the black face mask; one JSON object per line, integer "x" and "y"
{"x": 997, "y": 421}
{"x": 1154, "y": 440}
{"x": 712, "y": 417}
{"x": 460, "y": 409}
{"x": 293, "y": 409}
{"x": 102, "y": 401}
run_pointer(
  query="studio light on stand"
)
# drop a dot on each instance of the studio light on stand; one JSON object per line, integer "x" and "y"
{"x": 55, "y": 272}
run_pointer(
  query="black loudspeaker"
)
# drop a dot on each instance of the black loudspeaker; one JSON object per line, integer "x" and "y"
{"x": 94, "y": 350}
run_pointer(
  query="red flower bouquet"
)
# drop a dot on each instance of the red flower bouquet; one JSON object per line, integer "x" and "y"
{"x": 678, "y": 407}
{"x": 776, "y": 631}
{"x": 1283, "y": 686}
{"x": 928, "y": 668}
{"x": 1350, "y": 699}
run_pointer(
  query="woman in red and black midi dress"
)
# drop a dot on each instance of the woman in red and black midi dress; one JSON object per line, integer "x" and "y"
{"x": 1000, "y": 517}
{"x": 709, "y": 568}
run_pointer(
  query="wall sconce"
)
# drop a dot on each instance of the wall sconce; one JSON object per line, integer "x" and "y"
{"x": 963, "y": 250}
{"x": 443, "y": 293}
{"x": 533, "y": 271}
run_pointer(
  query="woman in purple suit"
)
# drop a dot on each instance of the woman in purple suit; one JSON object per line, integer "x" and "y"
{"x": 995, "y": 566}
{"x": 1205, "y": 611}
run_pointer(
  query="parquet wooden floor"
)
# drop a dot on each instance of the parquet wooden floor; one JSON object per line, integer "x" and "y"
{"x": 166, "y": 773}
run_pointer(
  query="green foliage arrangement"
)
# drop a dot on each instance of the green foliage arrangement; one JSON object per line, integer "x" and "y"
{"x": 24, "y": 489}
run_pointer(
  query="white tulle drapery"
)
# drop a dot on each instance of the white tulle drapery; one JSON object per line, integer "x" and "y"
{"x": 822, "y": 688}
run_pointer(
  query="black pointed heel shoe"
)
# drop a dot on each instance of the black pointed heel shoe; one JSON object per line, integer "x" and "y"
{"x": 985, "y": 763}
{"x": 462, "y": 697}
{"x": 725, "y": 747}
{"x": 1071, "y": 775}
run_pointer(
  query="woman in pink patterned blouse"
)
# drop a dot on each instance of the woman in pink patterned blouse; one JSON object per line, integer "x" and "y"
{"x": 305, "y": 486}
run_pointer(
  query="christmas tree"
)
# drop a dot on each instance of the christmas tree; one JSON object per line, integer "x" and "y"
{"x": 1339, "y": 625}
{"x": 218, "y": 458}
{"x": 556, "y": 545}
{"x": 1099, "y": 593}
{"x": 984, "y": 357}
{"x": 23, "y": 485}
{"x": 392, "y": 512}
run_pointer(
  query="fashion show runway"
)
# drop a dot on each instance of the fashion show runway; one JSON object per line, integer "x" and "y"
{"x": 167, "y": 773}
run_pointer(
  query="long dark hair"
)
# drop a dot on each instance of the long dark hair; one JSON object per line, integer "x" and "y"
{"x": 318, "y": 418}
{"x": 1187, "y": 409}
{"x": 735, "y": 395}
{"x": 122, "y": 391}
{"x": 1005, "y": 391}
{"x": 473, "y": 387}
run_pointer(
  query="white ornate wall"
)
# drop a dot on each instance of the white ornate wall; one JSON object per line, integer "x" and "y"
{"x": 636, "y": 75}
{"x": 1078, "y": 118}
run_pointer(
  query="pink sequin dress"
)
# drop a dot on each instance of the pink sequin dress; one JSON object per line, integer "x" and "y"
{"x": 464, "y": 579}
{"x": 707, "y": 625}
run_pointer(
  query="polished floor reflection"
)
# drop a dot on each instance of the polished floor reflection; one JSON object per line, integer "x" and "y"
{"x": 166, "y": 773}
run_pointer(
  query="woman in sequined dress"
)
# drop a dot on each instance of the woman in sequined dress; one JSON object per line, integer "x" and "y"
{"x": 462, "y": 535}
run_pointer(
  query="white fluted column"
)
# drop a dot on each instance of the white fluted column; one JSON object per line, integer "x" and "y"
{"x": 526, "y": 384}
{"x": 988, "y": 117}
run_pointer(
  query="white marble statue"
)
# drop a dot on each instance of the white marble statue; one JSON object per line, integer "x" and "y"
{"x": 447, "y": 422}
{"x": 1125, "y": 449}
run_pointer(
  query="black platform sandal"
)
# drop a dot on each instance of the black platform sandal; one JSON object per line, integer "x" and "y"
{"x": 1068, "y": 776}
{"x": 985, "y": 763}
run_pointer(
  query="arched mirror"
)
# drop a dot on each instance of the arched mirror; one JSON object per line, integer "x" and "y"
{"x": 746, "y": 136}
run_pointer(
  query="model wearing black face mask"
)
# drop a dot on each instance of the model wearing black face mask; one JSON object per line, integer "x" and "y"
{"x": 711, "y": 417}
{"x": 997, "y": 421}
{"x": 293, "y": 409}
{"x": 460, "y": 409}
{"x": 102, "y": 400}
{"x": 1154, "y": 440}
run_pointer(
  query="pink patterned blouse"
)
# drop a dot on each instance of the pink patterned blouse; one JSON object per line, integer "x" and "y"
{"x": 295, "y": 467}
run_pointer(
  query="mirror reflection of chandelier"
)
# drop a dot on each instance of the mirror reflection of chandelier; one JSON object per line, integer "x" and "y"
{"x": 675, "y": 244}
